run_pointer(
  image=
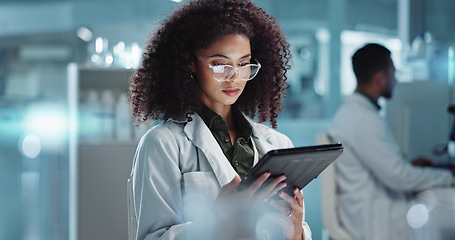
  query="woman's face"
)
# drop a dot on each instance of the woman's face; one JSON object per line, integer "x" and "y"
{"x": 231, "y": 50}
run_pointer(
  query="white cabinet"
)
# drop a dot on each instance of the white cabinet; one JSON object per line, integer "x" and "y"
{"x": 103, "y": 169}
{"x": 99, "y": 164}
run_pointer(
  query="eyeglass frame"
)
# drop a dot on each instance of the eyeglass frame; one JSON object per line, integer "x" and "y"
{"x": 234, "y": 68}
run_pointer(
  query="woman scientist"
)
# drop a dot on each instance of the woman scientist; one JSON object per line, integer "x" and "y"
{"x": 208, "y": 70}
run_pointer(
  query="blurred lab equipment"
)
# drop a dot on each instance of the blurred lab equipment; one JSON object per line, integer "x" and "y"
{"x": 101, "y": 150}
{"x": 123, "y": 124}
{"x": 431, "y": 214}
{"x": 417, "y": 115}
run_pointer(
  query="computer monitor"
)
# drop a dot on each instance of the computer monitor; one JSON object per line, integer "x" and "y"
{"x": 417, "y": 115}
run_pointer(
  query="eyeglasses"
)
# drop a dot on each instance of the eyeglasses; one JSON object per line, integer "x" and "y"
{"x": 223, "y": 73}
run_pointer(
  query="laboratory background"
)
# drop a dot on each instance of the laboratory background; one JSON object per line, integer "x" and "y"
{"x": 66, "y": 139}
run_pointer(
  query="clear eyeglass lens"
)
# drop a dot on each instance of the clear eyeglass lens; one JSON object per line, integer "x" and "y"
{"x": 219, "y": 69}
{"x": 225, "y": 72}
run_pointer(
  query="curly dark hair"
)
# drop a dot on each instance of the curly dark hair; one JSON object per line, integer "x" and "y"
{"x": 163, "y": 87}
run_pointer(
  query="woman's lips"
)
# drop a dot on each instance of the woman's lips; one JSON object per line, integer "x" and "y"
{"x": 231, "y": 92}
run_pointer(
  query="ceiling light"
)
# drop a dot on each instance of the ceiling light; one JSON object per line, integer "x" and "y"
{"x": 85, "y": 34}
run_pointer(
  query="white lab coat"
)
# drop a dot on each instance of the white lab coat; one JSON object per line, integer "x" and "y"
{"x": 177, "y": 157}
{"x": 372, "y": 176}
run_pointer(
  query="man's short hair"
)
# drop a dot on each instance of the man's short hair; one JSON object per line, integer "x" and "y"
{"x": 369, "y": 60}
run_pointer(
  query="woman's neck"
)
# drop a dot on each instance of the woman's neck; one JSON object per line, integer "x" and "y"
{"x": 226, "y": 113}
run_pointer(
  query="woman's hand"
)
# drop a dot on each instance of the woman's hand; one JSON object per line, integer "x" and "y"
{"x": 256, "y": 192}
{"x": 293, "y": 212}
{"x": 233, "y": 207}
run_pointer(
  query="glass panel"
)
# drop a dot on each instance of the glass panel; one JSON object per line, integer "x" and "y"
{"x": 34, "y": 137}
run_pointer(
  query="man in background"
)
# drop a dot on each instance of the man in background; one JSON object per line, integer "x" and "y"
{"x": 373, "y": 179}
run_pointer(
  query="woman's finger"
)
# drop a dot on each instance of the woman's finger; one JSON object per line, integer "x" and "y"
{"x": 232, "y": 184}
{"x": 287, "y": 198}
{"x": 295, "y": 214}
{"x": 258, "y": 182}
{"x": 298, "y": 196}
{"x": 271, "y": 187}
{"x": 277, "y": 189}
{"x": 228, "y": 188}
{"x": 281, "y": 206}
{"x": 296, "y": 209}
{"x": 277, "y": 184}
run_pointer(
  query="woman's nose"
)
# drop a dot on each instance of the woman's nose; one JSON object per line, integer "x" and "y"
{"x": 234, "y": 76}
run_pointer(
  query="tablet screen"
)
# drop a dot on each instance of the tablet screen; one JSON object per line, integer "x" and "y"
{"x": 300, "y": 165}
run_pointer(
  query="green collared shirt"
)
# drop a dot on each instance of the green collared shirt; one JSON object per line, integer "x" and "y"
{"x": 241, "y": 156}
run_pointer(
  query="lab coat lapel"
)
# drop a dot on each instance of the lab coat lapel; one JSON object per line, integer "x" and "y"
{"x": 200, "y": 135}
{"x": 261, "y": 138}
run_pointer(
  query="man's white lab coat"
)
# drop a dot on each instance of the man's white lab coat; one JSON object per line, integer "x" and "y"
{"x": 372, "y": 176}
{"x": 175, "y": 158}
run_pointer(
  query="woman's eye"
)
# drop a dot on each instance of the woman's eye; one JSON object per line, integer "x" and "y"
{"x": 244, "y": 64}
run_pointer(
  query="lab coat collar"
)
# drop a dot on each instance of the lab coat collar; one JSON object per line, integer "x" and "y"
{"x": 362, "y": 99}
{"x": 199, "y": 134}
{"x": 261, "y": 136}
{"x": 374, "y": 102}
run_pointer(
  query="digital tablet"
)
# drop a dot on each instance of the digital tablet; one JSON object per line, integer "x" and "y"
{"x": 300, "y": 165}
